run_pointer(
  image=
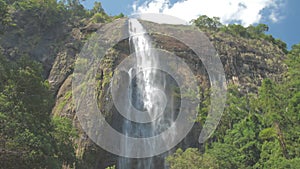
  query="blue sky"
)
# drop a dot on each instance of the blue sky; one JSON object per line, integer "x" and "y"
{"x": 282, "y": 16}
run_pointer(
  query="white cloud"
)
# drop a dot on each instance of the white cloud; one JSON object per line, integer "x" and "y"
{"x": 245, "y": 11}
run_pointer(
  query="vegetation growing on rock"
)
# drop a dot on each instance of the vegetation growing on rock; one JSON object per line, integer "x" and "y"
{"x": 40, "y": 41}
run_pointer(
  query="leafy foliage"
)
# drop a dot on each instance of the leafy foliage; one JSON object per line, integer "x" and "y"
{"x": 5, "y": 18}
{"x": 254, "y": 32}
{"x": 111, "y": 167}
{"x": 191, "y": 159}
{"x": 97, "y": 8}
{"x": 258, "y": 130}
{"x": 100, "y": 18}
{"x": 47, "y": 13}
{"x": 205, "y": 22}
{"x": 74, "y": 7}
{"x": 24, "y": 98}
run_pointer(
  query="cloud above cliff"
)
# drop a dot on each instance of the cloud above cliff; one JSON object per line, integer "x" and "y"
{"x": 246, "y": 12}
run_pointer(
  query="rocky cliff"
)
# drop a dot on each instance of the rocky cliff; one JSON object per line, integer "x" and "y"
{"x": 246, "y": 62}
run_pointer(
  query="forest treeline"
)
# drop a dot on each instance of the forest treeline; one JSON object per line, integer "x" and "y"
{"x": 257, "y": 130}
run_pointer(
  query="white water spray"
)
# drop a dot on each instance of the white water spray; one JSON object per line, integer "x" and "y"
{"x": 147, "y": 94}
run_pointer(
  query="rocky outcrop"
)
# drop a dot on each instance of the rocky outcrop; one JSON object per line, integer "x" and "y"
{"x": 64, "y": 61}
{"x": 246, "y": 62}
{"x": 30, "y": 37}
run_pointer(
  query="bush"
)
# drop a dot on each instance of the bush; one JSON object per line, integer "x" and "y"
{"x": 100, "y": 18}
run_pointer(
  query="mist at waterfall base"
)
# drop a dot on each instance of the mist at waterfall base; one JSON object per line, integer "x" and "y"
{"x": 152, "y": 91}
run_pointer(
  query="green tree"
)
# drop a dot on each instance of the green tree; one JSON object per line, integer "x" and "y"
{"x": 111, "y": 167}
{"x": 121, "y": 15}
{"x": 63, "y": 134}
{"x": 29, "y": 138}
{"x": 293, "y": 62}
{"x": 204, "y": 21}
{"x": 46, "y": 13}
{"x": 97, "y": 8}
{"x": 257, "y": 130}
{"x": 226, "y": 156}
{"x": 98, "y": 14}
{"x": 271, "y": 157}
{"x": 236, "y": 109}
{"x": 236, "y": 30}
{"x": 191, "y": 159}
{"x": 100, "y": 18}
{"x": 244, "y": 137}
{"x": 75, "y": 8}
{"x": 5, "y": 18}
{"x": 257, "y": 30}
{"x": 25, "y": 98}
{"x": 292, "y": 98}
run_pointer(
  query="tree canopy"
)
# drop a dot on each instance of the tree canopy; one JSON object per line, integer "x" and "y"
{"x": 26, "y": 142}
{"x": 253, "y": 31}
{"x": 258, "y": 130}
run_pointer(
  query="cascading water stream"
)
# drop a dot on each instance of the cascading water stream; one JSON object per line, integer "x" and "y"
{"x": 147, "y": 93}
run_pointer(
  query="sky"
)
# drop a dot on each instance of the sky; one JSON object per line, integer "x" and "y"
{"x": 282, "y": 16}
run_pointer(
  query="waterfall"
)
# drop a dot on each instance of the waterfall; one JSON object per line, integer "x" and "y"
{"x": 147, "y": 90}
